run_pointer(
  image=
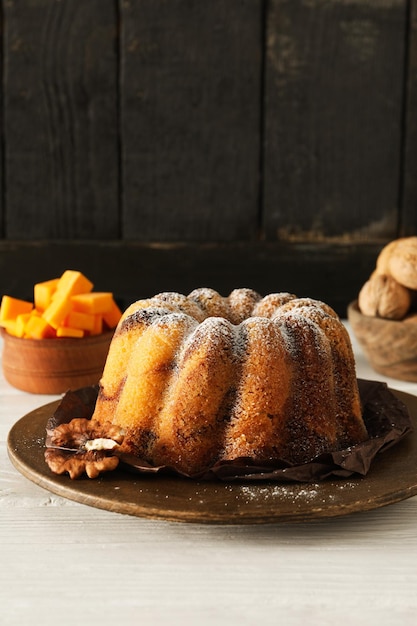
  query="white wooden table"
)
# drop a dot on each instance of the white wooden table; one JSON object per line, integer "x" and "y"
{"x": 66, "y": 563}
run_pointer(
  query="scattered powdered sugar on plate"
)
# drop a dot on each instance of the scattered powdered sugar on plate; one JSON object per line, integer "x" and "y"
{"x": 296, "y": 493}
{"x": 251, "y": 492}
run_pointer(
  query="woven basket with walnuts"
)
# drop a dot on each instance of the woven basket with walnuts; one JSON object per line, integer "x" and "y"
{"x": 391, "y": 290}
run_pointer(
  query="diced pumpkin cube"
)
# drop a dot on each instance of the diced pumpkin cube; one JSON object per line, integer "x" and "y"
{"x": 98, "y": 325}
{"x": 66, "y": 331}
{"x": 113, "y": 316}
{"x": 21, "y": 321}
{"x": 64, "y": 307}
{"x": 71, "y": 283}
{"x": 93, "y": 303}
{"x": 38, "y": 328}
{"x": 43, "y": 293}
{"x": 57, "y": 311}
{"x": 83, "y": 321}
{"x": 9, "y": 326}
{"x": 12, "y": 307}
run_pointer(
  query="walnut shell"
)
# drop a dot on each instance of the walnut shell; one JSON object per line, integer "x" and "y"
{"x": 383, "y": 296}
{"x": 68, "y": 450}
{"x": 403, "y": 262}
{"x": 384, "y": 259}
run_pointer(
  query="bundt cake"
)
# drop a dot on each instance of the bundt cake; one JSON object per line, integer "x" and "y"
{"x": 192, "y": 380}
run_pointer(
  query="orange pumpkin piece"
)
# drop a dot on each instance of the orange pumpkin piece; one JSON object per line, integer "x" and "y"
{"x": 113, "y": 316}
{"x": 12, "y": 307}
{"x": 21, "y": 321}
{"x": 71, "y": 283}
{"x": 9, "y": 326}
{"x": 82, "y": 321}
{"x": 64, "y": 307}
{"x": 38, "y": 328}
{"x": 65, "y": 331}
{"x": 98, "y": 325}
{"x": 93, "y": 303}
{"x": 57, "y": 311}
{"x": 43, "y": 293}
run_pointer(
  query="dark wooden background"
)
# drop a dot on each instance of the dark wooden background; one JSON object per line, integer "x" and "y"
{"x": 170, "y": 144}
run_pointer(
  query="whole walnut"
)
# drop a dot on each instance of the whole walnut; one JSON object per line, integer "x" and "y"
{"x": 383, "y": 296}
{"x": 384, "y": 258}
{"x": 403, "y": 262}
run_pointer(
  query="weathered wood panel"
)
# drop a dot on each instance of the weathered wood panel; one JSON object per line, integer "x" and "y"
{"x": 190, "y": 104}
{"x": 168, "y": 150}
{"x": 409, "y": 173}
{"x": 61, "y": 125}
{"x": 333, "y": 273}
{"x": 2, "y": 207}
{"x": 333, "y": 118}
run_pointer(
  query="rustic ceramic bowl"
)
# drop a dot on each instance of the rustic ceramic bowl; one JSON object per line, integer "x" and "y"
{"x": 53, "y": 366}
{"x": 390, "y": 346}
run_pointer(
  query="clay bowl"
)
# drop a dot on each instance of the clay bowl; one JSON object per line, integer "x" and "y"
{"x": 53, "y": 366}
{"x": 390, "y": 346}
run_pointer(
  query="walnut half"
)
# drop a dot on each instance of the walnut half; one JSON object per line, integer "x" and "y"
{"x": 77, "y": 463}
{"x": 83, "y": 446}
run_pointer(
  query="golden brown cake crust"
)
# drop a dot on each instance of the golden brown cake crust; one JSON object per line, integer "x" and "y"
{"x": 192, "y": 380}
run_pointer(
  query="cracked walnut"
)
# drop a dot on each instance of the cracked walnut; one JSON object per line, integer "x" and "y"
{"x": 83, "y": 446}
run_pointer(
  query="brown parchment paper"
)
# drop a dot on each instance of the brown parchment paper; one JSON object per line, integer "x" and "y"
{"x": 387, "y": 420}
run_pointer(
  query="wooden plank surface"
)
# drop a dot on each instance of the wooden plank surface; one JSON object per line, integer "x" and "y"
{"x": 333, "y": 273}
{"x": 83, "y": 565}
{"x": 190, "y": 112}
{"x": 334, "y": 95}
{"x": 61, "y": 126}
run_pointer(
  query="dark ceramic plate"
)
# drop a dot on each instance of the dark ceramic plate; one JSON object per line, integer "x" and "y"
{"x": 392, "y": 478}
